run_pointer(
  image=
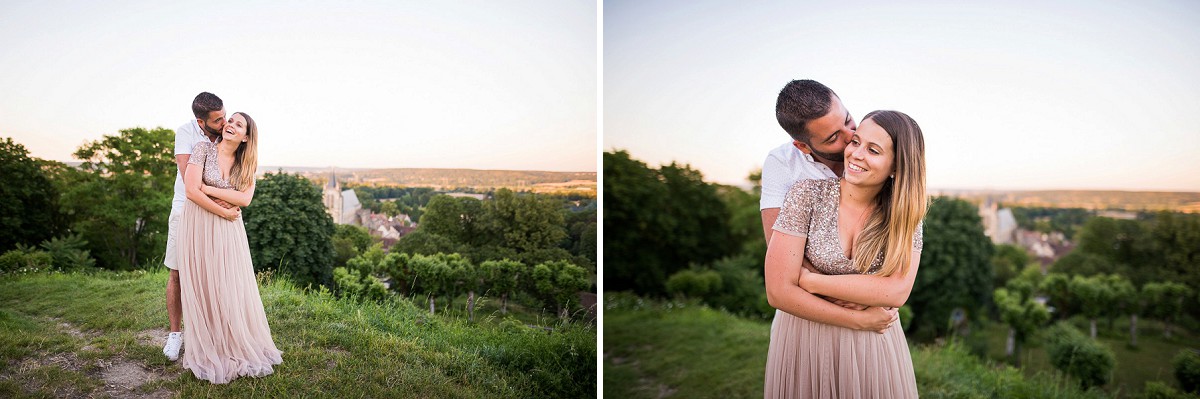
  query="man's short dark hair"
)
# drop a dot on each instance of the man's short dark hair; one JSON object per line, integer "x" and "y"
{"x": 800, "y": 102}
{"x": 204, "y": 103}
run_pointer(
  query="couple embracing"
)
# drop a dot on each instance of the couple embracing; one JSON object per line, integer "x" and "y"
{"x": 842, "y": 208}
{"x": 211, "y": 284}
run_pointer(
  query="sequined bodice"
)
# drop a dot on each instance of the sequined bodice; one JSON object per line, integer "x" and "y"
{"x": 810, "y": 209}
{"x": 205, "y": 154}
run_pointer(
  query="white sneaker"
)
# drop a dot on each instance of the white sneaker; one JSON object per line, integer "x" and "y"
{"x": 174, "y": 342}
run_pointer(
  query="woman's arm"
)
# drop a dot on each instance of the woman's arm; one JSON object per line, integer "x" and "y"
{"x": 235, "y": 197}
{"x": 192, "y": 181}
{"x": 785, "y": 253}
{"x": 891, "y": 291}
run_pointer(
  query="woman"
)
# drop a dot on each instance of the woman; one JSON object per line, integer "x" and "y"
{"x": 226, "y": 334}
{"x": 863, "y": 232}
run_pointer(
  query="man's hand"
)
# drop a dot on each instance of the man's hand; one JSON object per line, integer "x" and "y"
{"x": 222, "y": 203}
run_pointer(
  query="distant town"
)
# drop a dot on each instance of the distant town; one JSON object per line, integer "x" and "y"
{"x": 1001, "y": 224}
{"x": 453, "y": 179}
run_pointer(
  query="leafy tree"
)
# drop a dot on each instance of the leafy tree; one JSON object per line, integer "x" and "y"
{"x": 658, "y": 222}
{"x": 350, "y": 241}
{"x": 1084, "y": 359}
{"x": 468, "y": 277}
{"x": 288, "y": 229}
{"x": 1007, "y": 261}
{"x": 359, "y": 276}
{"x": 504, "y": 276}
{"x": 1125, "y": 301}
{"x": 1165, "y": 302}
{"x": 432, "y": 274}
{"x": 1082, "y": 263}
{"x": 581, "y": 234}
{"x": 1175, "y": 239}
{"x": 1057, "y": 288}
{"x": 1021, "y": 312}
{"x": 558, "y": 284}
{"x": 121, "y": 198}
{"x": 28, "y": 198}
{"x": 421, "y": 242}
{"x": 1120, "y": 242}
{"x": 389, "y": 208}
{"x": 1094, "y": 294}
{"x": 956, "y": 266}
{"x": 458, "y": 219}
{"x": 525, "y": 223}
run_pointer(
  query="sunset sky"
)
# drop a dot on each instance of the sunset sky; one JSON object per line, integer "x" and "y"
{"x": 1018, "y": 95}
{"x": 465, "y": 84}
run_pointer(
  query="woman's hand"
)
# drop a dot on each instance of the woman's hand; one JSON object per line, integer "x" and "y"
{"x": 878, "y": 319}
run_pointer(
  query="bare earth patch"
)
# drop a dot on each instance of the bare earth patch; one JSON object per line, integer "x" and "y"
{"x": 122, "y": 378}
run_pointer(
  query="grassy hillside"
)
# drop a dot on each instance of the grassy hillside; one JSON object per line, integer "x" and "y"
{"x": 681, "y": 350}
{"x": 95, "y": 335}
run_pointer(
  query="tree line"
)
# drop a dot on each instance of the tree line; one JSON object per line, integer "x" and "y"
{"x": 111, "y": 213}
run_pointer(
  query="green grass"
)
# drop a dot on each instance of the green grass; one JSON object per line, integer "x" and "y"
{"x": 61, "y": 333}
{"x": 685, "y": 350}
{"x": 1149, "y": 361}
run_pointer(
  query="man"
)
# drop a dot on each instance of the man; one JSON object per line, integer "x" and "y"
{"x": 209, "y": 111}
{"x": 820, "y": 127}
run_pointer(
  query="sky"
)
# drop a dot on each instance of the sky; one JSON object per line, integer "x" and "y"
{"x": 463, "y": 84}
{"x": 1009, "y": 95}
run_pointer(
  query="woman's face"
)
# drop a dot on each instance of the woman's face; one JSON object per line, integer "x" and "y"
{"x": 235, "y": 129}
{"x": 870, "y": 156}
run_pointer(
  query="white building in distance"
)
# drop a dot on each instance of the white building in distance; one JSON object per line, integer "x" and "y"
{"x": 342, "y": 205}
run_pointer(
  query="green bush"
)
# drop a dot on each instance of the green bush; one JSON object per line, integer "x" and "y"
{"x": 1079, "y": 356}
{"x": 69, "y": 252}
{"x": 694, "y": 283}
{"x": 25, "y": 260}
{"x": 1187, "y": 370}
{"x": 1160, "y": 390}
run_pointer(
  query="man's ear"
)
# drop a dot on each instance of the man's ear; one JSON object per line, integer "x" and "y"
{"x": 802, "y": 147}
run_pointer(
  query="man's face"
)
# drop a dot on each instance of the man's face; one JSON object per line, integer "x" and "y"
{"x": 830, "y": 133}
{"x": 214, "y": 123}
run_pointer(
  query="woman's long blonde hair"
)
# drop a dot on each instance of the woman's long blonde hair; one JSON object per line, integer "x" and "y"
{"x": 245, "y": 158}
{"x": 900, "y": 204}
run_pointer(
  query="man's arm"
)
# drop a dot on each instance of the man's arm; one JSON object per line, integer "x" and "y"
{"x": 768, "y": 221}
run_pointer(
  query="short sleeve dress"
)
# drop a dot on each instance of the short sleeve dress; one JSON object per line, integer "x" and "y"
{"x": 225, "y": 334}
{"x": 807, "y": 359}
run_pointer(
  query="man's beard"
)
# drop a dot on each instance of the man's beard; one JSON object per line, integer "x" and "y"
{"x": 212, "y": 132}
{"x": 828, "y": 156}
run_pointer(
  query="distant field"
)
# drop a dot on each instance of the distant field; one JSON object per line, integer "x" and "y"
{"x": 451, "y": 178}
{"x": 1097, "y": 200}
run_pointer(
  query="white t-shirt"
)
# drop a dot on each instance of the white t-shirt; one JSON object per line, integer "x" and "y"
{"x": 186, "y": 137}
{"x": 784, "y": 166}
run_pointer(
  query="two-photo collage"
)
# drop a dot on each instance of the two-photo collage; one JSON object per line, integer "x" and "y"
{"x": 583, "y": 199}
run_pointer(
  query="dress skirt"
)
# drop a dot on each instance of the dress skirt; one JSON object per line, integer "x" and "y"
{"x": 225, "y": 334}
{"x": 807, "y": 359}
